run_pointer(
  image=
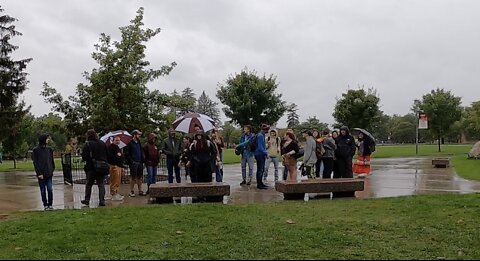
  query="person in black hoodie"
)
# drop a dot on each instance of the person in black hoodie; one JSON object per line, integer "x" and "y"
{"x": 44, "y": 166}
{"x": 202, "y": 154}
{"x": 94, "y": 150}
{"x": 116, "y": 161}
{"x": 344, "y": 153}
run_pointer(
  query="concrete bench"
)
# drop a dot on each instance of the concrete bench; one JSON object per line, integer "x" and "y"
{"x": 340, "y": 187}
{"x": 212, "y": 192}
{"x": 441, "y": 162}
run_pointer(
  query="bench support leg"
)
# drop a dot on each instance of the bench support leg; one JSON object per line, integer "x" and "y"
{"x": 164, "y": 200}
{"x": 294, "y": 196}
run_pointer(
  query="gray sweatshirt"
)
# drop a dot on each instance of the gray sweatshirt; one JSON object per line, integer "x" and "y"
{"x": 309, "y": 156}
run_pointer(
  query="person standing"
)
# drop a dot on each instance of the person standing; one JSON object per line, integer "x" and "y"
{"x": 218, "y": 161}
{"x": 247, "y": 155}
{"x": 185, "y": 157}
{"x": 116, "y": 162}
{"x": 309, "y": 155}
{"x": 273, "y": 147}
{"x": 44, "y": 164}
{"x": 136, "y": 159}
{"x": 361, "y": 167}
{"x": 318, "y": 166}
{"x": 344, "y": 153}
{"x": 328, "y": 158}
{"x": 152, "y": 158}
{"x": 172, "y": 147}
{"x": 94, "y": 152}
{"x": 290, "y": 148}
{"x": 282, "y": 152}
{"x": 202, "y": 152}
{"x": 261, "y": 155}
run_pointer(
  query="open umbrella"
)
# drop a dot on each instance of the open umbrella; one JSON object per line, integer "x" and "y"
{"x": 125, "y": 138}
{"x": 366, "y": 133}
{"x": 189, "y": 121}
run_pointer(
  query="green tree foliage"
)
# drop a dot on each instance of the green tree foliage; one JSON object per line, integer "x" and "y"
{"x": 312, "y": 123}
{"x": 116, "y": 96}
{"x": 14, "y": 146}
{"x": 293, "y": 119}
{"x": 190, "y": 101}
{"x": 471, "y": 121}
{"x": 231, "y": 134}
{"x": 402, "y": 128}
{"x": 206, "y": 106}
{"x": 358, "y": 109}
{"x": 443, "y": 110}
{"x": 178, "y": 105}
{"x": 251, "y": 99}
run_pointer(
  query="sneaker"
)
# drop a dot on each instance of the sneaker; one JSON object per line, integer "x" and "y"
{"x": 262, "y": 187}
{"x": 132, "y": 194}
{"x": 102, "y": 204}
{"x": 45, "y": 208}
{"x": 50, "y": 208}
{"x": 141, "y": 193}
{"x": 243, "y": 183}
{"x": 249, "y": 182}
{"x": 117, "y": 197}
{"x": 108, "y": 197}
{"x": 85, "y": 202}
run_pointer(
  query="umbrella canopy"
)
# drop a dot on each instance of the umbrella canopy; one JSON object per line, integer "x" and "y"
{"x": 189, "y": 121}
{"x": 366, "y": 133}
{"x": 125, "y": 138}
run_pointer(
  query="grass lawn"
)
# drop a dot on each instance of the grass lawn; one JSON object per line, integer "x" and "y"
{"x": 420, "y": 227}
{"x": 466, "y": 168}
{"x": 7, "y": 165}
{"x": 399, "y": 151}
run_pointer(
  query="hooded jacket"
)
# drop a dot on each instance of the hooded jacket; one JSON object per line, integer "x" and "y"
{"x": 42, "y": 157}
{"x": 172, "y": 147}
{"x": 152, "y": 156}
{"x": 345, "y": 144}
{"x": 93, "y": 149}
{"x": 115, "y": 156}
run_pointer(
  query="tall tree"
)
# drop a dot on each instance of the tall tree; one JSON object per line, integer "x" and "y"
{"x": 251, "y": 99}
{"x": 358, "y": 109}
{"x": 116, "y": 96}
{"x": 471, "y": 121}
{"x": 206, "y": 106}
{"x": 293, "y": 119}
{"x": 190, "y": 101}
{"x": 13, "y": 82}
{"x": 443, "y": 109}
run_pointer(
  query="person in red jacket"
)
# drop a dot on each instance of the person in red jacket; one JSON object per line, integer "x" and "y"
{"x": 152, "y": 158}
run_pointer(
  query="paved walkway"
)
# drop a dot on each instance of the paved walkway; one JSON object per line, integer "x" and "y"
{"x": 390, "y": 178}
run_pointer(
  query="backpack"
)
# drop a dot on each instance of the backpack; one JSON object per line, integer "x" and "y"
{"x": 372, "y": 147}
{"x": 252, "y": 143}
{"x": 319, "y": 150}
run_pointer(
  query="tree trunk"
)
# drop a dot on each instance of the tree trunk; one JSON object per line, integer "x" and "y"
{"x": 439, "y": 149}
{"x": 14, "y": 162}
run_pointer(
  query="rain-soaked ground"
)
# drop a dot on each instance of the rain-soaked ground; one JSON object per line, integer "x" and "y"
{"x": 390, "y": 178}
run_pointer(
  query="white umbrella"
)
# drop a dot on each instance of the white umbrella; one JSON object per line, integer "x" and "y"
{"x": 189, "y": 121}
{"x": 125, "y": 137}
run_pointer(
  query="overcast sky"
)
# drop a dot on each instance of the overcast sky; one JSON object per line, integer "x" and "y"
{"x": 316, "y": 49}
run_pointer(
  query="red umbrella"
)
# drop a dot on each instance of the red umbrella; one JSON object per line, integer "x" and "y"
{"x": 125, "y": 137}
{"x": 189, "y": 121}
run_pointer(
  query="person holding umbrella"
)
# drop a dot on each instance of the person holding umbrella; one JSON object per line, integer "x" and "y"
{"x": 202, "y": 153}
{"x": 365, "y": 145}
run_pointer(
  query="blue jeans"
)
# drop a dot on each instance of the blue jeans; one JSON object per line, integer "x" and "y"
{"x": 172, "y": 162}
{"x": 275, "y": 161}
{"x": 250, "y": 162}
{"x": 152, "y": 175}
{"x": 260, "y": 169}
{"x": 46, "y": 184}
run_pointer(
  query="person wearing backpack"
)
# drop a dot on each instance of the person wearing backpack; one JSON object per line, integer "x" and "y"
{"x": 94, "y": 153}
{"x": 273, "y": 147}
{"x": 247, "y": 155}
{"x": 260, "y": 152}
{"x": 361, "y": 167}
{"x": 327, "y": 158}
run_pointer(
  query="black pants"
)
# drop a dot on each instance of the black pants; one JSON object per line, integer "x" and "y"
{"x": 344, "y": 167}
{"x": 327, "y": 167}
{"x": 202, "y": 172}
{"x": 260, "y": 169}
{"x": 318, "y": 166}
{"x": 100, "y": 179}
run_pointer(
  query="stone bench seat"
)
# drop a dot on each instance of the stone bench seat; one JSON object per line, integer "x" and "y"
{"x": 213, "y": 191}
{"x": 340, "y": 187}
{"x": 441, "y": 162}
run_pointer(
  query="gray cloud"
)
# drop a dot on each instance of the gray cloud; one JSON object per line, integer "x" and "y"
{"x": 316, "y": 48}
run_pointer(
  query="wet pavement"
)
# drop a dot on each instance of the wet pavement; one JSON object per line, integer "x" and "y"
{"x": 390, "y": 178}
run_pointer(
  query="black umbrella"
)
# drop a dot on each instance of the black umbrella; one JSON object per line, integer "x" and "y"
{"x": 366, "y": 133}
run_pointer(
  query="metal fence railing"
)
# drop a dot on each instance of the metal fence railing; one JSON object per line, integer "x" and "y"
{"x": 74, "y": 173}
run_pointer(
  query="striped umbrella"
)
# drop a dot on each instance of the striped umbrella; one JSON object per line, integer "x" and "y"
{"x": 189, "y": 121}
{"x": 125, "y": 138}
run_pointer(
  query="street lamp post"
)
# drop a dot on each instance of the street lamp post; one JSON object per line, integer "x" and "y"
{"x": 416, "y": 132}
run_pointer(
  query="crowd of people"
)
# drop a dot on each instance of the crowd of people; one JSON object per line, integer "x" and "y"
{"x": 325, "y": 154}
